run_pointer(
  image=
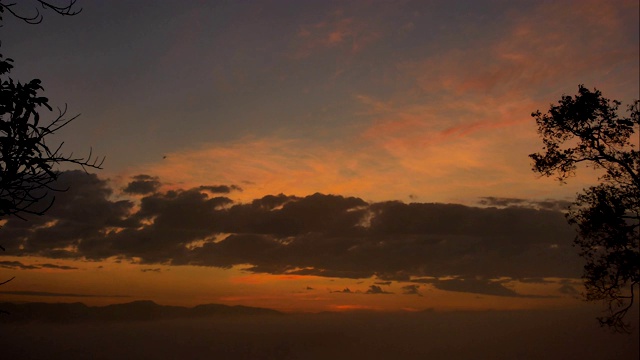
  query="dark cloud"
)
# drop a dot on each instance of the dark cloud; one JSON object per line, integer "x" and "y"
{"x": 411, "y": 290}
{"x": 322, "y": 235}
{"x": 500, "y": 201}
{"x": 142, "y": 184}
{"x": 535, "y": 280}
{"x": 21, "y": 266}
{"x": 59, "y": 267}
{"x": 557, "y": 205}
{"x": 220, "y": 189}
{"x": 16, "y": 265}
{"x": 318, "y": 272}
{"x": 385, "y": 283}
{"x": 83, "y": 212}
{"x": 375, "y": 289}
{"x": 161, "y": 229}
{"x": 475, "y": 286}
{"x": 343, "y": 291}
{"x": 552, "y": 204}
{"x": 157, "y": 270}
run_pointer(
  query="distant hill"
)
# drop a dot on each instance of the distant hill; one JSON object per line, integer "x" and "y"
{"x": 143, "y": 310}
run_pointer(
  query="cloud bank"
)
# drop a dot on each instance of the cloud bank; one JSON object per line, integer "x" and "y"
{"x": 453, "y": 247}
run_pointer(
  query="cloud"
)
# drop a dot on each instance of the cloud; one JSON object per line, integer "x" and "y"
{"x": 59, "y": 267}
{"x": 21, "y": 266}
{"x": 321, "y": 235}
{"x": 559, "y": 205}
{"x": 375, "y": 289}
{"x": 575, "y": 44}
{"x": 337, "y": 31}
{"x": 220, "y": 189}
{"x": 156, "y": 270}
{"x": 17, "y": 265}
{"x": 142, "y": 184}
{"x": 496, "y": 201}
{"x": 291, "y": 166}
{"x": 343, "y": 291}
{"x": 538, "y": 280}
{"x": 455, "y": 111}
{"x": 411, "y": 290}
{"x": 475, "y": 286}
{"x": 416, "y": 161}
{"x": 84, "y": 212}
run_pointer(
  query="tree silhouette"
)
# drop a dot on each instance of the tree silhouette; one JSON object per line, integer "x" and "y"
{"x": 27, "y": 163}
{"x": 26, "y": 160}
{"x": 36, "y": 17}
{"x": 588, "y": 129}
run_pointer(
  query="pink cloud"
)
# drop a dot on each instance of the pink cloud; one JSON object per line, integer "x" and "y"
{"x": 419, "y": 157}
{"x": 558, "y": 44}
{"x": 460, "y": 129}
{"x": 470, "y": 115}
{"x": 349, "y": 34}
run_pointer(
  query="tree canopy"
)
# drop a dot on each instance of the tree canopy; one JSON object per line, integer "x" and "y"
{"x": 588, "y": 129}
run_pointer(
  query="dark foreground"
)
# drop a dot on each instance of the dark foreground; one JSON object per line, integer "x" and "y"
{"x": 459, "y": 335}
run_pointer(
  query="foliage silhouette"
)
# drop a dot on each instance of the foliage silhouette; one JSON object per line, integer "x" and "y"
{"x": 27, "y": 163}
{"x": 588, "y": 129}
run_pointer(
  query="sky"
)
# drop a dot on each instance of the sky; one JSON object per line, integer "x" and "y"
{"x": 312, "y": 155}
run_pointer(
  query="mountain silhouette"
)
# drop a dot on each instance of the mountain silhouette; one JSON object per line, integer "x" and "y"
{"x": 143, "y": 310}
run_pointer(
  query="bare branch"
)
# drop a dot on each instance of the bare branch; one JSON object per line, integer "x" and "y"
{"x": 63, "y": 10}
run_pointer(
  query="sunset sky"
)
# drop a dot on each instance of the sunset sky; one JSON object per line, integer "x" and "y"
{"x": 312, "y": 155}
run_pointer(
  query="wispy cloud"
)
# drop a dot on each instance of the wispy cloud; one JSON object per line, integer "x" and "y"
{"x": 155, "y": 270}
{"x": 544, "y": 51}
{"x": 445, "y": 123}
{"x": 336, "y": 31}
{"x": 21, "y": 266}
{"x": 475, "y": 285}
